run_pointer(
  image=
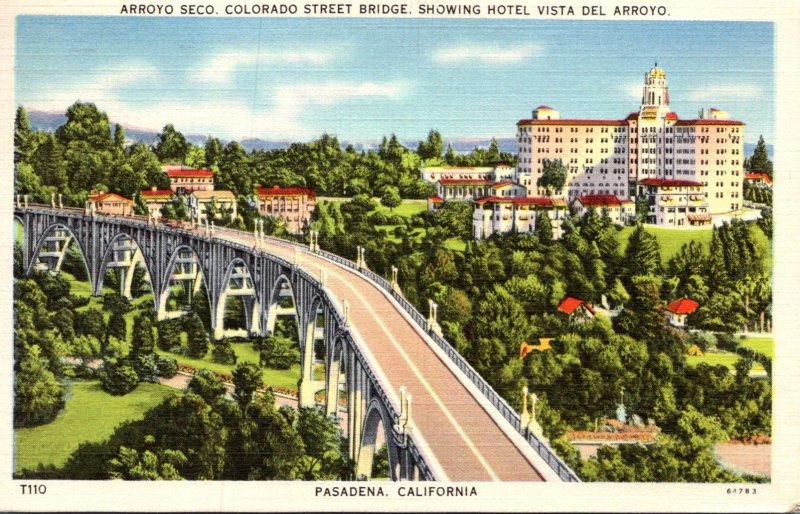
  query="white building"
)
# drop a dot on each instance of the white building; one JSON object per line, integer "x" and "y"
{"x": 515, "y": 215}
{"x": 608, "y": 157}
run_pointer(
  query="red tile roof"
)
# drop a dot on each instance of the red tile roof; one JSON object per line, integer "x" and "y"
{"x": 709, "y": 122}
{"x": 570, "y": 304}
{"x": 601, "y": 200}
{"x": 544, "y": 107}
{"x": 663, "y": 182}
{"x": 757, "y": 176}
{"x": 571, "y": 122}
{"x": 285, "y": 191}
{"x": 189, "y": 173}
{"x": 156, "y": 193}
{"x": 517, "y": 200}
{"x": 683, "y": 306}
{"x": 435, "y": 199}
{"x": 672, "y": 116}
{"x": 105, "y": 196}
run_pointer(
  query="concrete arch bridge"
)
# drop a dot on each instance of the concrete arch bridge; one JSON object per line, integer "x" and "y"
{"x": 377, "y": 352}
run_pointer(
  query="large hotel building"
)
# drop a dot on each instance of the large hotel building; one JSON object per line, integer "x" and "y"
{"x": 687, "y": 169}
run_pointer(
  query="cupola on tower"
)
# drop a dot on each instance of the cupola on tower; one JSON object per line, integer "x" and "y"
{"x": 656, "y": 90}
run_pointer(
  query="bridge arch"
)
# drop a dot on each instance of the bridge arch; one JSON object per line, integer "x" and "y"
{"x": 282, "y": 288}
{"x": 238, "y": 281}
{"x": 190, "y": 269}
{"x": 59, "y": 251}
{"x": 119, "y": 249}
{"x": 375, "y": 419}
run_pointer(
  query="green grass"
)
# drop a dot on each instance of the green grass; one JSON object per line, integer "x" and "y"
{"x": 670, "y": 240}
{"x": 725, "y": 359}
{"x": 763, "y": 345}
{"x": 245, "y": 353}
{"x": 406, "y": 209}
{"x": 90, "y": 415}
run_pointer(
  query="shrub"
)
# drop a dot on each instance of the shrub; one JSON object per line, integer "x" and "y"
{"x": 378, "y": 218}
{"x": 118, "y": 379}
{"x": 167, "y": 367}
{"x": 146, "y": 367}
{"x": 223, "y": 352}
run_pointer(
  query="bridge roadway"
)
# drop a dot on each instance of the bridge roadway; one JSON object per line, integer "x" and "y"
{"x": 468, "y": 444}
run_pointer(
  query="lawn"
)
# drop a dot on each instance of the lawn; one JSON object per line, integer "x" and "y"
{"x": 91, "y": 415}
{"x": 725, "y": 359}
{"x": 245, "y": 353}
{"x": 406, "y": 209}
{"x": 670, "y": 240}
{"x": 763, "y": 345}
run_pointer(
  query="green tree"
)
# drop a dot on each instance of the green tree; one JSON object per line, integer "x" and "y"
{"x": 118, "y": 378}
{"x": 213, "y": 150}
{"x": 169, "y": 334}
{"x": 143, "y": 341}
{"x": 278, "y": 352}
{"x": 223, "y": 352}
{"x": 642, "y": 255}
{"x": 130, "y": 464}
{"x": 90, "y": 322}
{"x": 207, "y": 385}
{"x": 38, "y": 396}
{"x": 554, "y": 176}
{"x": 759, "y": 161}
{"x": 247, "y": 380}
{"x": 49, "y": 164}
{"x": 172, "y": 146}
{"x": 86, "y": 123}
{"x": 391, "y": 198}
{"x": 197, "y": 341}
{"x": 117, "y": 326}
{"x": 189, "y": 425}
{"x": 22, "y": 136}
{"x": 322, "y": 441}
{"x": 432, "y": 147}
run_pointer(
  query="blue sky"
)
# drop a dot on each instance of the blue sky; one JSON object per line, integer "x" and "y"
{"x": 295, "y": 78}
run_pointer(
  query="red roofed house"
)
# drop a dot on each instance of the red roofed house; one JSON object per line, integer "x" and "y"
{"x": 185, "y": 180}
{"x": 675, "y": 203}
{"x": 679, "y": 310}
{"x": 155, "y": 199}
{"x": 758, "y": 179}
{"x": 110, "y": 203}
{"x": 576, "y": 308}
{"x": 516, "y": 215}
{"x": 293, "y": 204}
{"x": 434, "y": 202}
{"x": 620, "y": 210}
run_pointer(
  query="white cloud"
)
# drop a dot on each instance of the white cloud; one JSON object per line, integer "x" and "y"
{"x": 287, "y": 116}
{"x": 101, "y": 86}
{"x": 221, "y": 67}
{"x": 726, "y": 92}
{"x": 486, "y": 54}
{"x": 632, "y": 90}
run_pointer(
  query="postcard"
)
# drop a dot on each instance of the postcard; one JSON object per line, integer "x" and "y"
{"x": 417, "y": 256}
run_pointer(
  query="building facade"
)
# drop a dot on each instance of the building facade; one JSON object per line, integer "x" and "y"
{"x": 223, "y": 203}
{"x": 110, "y": 203}
{"x": 515, "y": 215}
{"x": 155, "y": 199}
{"x": 620, "y": 210}
{"x": 293, "y": 204}
{"x": 185, "y": 180}
{"x": 609, "y": 157}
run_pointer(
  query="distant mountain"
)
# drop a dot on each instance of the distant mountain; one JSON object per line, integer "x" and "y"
{"x": 50, "y": 121}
